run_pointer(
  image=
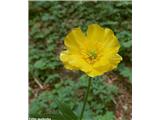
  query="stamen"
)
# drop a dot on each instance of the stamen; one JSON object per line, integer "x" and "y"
{"x": 92, "y": 55}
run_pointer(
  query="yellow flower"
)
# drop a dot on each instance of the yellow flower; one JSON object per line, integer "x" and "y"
{"x": 94, "y": 53}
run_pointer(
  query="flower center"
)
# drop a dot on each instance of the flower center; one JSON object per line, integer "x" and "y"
{"x": 92, "y": 55}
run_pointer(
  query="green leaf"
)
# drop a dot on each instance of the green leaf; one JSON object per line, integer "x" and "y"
{"x": 40, "y": 64}
{"x": 45, "y": 17}
{"x": 52, "y": 78}
{"x": 127, "y": 44}
{"x": 107, "y": 116}
{"x": 66, "y": 112}
{"x": 59, "y": 117}
{"x": 125, "y": 71}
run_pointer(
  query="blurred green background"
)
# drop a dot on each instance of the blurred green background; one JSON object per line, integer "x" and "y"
{"x": 49, "y": 23}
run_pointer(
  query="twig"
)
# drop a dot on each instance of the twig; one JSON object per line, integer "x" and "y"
{"x": 38, "y": 83}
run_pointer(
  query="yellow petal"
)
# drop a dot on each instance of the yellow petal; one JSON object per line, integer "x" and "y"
{"x": 94, "y": 33}
{"x": 64, "y": 58}
{"x": 94, "y": 73}
{"x": 105, "y": 38}
{"x": 110, "y": 40}
{"x": 74, "y": 61}
{"x": 107, "y": 63}
{"x": 75, "y": 40}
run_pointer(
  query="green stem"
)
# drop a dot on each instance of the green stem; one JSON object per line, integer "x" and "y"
{"x": 85, "y": 99}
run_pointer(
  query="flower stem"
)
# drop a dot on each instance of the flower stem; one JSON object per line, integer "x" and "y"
{"x": 86, "y": 96}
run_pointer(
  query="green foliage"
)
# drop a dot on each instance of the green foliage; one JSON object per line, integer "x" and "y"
{"x": 68, "y": 91}
{"x": 49, "y": 22}
{"x": 125, "y": 71}
{"x": 65, "y": 112}
{"x": 107, "y": 116}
